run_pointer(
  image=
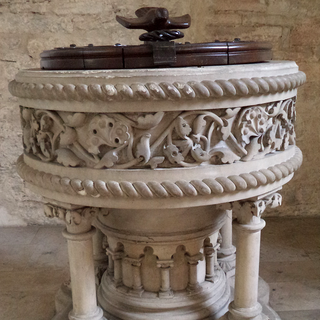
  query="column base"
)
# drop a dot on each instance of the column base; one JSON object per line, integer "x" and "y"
{"x": 228, "y": 264}
{"x": 97, "y": 315}
{"x": 213, "y": 279}
{"x": 194, "y": 288}
{"x": 66, "y": 315}
{"x": 254, "y": 313}
{"x": 166, "y": 294}
{"x": 263, "y": 299}
{"x": 227, "y": 317}
{"x": 63, "y": 302}
{"x": 133, "y": 292}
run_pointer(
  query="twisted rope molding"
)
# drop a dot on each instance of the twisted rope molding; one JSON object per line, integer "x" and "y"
{"x": 163, "y": 189}
{"x": 161, "y": 91}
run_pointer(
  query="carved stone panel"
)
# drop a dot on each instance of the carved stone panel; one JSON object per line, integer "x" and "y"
{"x": 161, "y": 139}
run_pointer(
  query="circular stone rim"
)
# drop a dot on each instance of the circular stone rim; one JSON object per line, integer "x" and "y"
{"x": 111, "y": 194}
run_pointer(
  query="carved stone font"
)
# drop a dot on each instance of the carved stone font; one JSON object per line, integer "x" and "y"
{"x": 161, "y": 139}
{"x": 159, "y": 161}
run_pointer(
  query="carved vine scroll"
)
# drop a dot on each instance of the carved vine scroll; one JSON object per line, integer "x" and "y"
{"x": 162, "y": 139}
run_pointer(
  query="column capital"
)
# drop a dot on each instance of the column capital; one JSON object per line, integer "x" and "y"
{"x": 165, "y": 264}
{"x": 209, "y": 250}
{"x": 248, "y": 212}
{"x": 116, "y": 255}
{"x": 109, "y": 251}
{"x": 136, "y": 262}
{"x": 225, "y": 206}
{"x": 195, "y": 258}
{"x": 77, "y": 220}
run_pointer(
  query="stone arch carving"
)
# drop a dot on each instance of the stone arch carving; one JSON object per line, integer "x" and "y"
{"x": 149, "y": 272}
{"x": 118, "y": 256}
{"x": 119, "y": 247}
{"x": 210, "y": 256}
{"x": 179, "y": 274}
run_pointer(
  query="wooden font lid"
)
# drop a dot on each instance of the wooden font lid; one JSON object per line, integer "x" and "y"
{"x": 158, "y": 50}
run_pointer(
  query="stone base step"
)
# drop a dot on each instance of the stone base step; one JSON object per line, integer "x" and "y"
{"x": 64, "y": 301}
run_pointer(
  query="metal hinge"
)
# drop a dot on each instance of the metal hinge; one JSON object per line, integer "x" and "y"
{"x": 164, "y": 53}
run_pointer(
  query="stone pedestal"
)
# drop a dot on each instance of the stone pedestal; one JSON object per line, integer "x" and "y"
{"x": 148, "y": 157}
{"x": 163, "y": 264}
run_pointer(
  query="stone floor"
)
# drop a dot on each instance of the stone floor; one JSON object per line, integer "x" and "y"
{"x": 34, "y": 263}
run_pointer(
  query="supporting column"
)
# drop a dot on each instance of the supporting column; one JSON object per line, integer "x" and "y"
{"x": 117, "y": 258}
{"x": 226, "y": 254}
{"x": 99, "y": 254}
{"x": 165, "y": 288}
{"x": 210, "y": 252}
{"x": 248, "y": 227}
{"x": 110, "y": 268}
{"x": 137, "y": 281}
{"x": 137, "y": 287}
{"x": 193, "y": 262}
{"x": 79, "y": 234}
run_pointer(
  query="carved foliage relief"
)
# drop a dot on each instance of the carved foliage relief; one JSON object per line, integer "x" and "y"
{"x": 162, "y": 139}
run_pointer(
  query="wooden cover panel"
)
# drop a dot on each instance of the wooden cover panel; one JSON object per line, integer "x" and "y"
{"x": 142, "y": 56}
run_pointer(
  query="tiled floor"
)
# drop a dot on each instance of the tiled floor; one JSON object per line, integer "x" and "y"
{"x": 34, "y": 263}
